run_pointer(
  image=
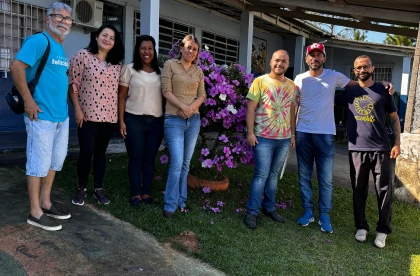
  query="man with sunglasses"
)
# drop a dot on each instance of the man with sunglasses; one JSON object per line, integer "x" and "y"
{"x": 368, "y": 104}
{"x": 315, "y": 131}
{"x": 46, "y": 113}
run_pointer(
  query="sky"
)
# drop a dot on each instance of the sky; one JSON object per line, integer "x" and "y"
{"x": 371, "y": 36}
{"x": 375, "y": 37}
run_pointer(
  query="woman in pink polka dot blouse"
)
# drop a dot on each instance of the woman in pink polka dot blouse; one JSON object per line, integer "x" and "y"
{"x": 93, "y": 90}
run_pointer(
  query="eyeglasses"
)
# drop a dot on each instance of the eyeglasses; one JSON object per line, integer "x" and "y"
{"x": 59, "y": 18}
{"x": 364, "y": 67}
{"x": 189, "y": 48}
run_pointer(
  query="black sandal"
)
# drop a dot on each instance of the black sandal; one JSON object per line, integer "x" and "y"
{"x": 147, "y": 200}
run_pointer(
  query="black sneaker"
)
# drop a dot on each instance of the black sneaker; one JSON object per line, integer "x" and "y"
{"x": 44, "y": 222}
{"x": 99, "y": 195}
{"x": 56, "y": 213}
{"x": 79, "y": 199}
{"x": 273, "y": 215}
{"x": 168, "y": 214}
{"x": 250, "y": 221}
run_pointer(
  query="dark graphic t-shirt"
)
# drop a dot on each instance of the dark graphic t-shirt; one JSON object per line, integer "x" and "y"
{"x": 366, "y": 115}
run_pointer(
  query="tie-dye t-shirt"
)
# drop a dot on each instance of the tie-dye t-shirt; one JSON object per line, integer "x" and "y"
{"x": 274, "y": 98}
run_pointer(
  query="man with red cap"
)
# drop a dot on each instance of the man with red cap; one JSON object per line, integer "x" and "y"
{"x": 315, "y": 132}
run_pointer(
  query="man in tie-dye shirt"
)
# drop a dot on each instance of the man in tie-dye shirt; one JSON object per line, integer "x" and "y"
{"x": 271, "y": 125}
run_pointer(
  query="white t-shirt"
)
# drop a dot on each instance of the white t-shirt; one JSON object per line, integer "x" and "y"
{"x": 144, "y": 91}
{"x": 316, "y": 111}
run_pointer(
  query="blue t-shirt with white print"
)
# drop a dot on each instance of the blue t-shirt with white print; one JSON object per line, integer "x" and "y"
{"x": 51, "y": 92}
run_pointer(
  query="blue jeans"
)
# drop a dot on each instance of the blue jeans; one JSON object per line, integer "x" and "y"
{"x": 269, "y": 156}
{"x": 144, "y": 136}
{"x": 321, "y": 148}
{"x": 181, "y": 136}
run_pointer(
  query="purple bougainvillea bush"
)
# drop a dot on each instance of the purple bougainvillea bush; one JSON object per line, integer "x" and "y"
{"x": 223, "y": 113}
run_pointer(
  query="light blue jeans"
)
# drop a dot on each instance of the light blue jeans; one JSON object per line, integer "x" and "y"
{"x": 269, "y": 156}
{"x": 320, "y": 148}
{"x": 181, "y": 136}
{"x": 46, "y": 146}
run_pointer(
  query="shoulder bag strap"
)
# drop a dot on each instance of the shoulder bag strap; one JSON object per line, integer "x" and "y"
{"x": 42, "y": 64}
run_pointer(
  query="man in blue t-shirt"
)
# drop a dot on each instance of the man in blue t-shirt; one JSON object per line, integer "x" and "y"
{"x": 369, "y": 147}
{"x": 46, "y": 114}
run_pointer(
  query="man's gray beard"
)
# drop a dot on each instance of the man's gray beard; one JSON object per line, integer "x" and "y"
{"x": 57, "y": 31}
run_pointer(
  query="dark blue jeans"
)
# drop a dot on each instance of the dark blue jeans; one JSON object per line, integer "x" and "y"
{"x": 320, "y": 148}
{"x": 144, "y": 136}
{"x": 181, "y": 136}
{"x": 269, "y": 156}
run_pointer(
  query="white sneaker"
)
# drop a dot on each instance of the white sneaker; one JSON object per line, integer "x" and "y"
{"x": 380, "y": 240}
{"x": 361, "y": 235}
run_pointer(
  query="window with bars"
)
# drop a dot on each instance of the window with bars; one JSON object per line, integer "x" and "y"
{"x": 381, "y": 73}
{"x": 223, "y": 49}
{"x": 17, "y": 21}
{"x": 136, "y": 26}
{"x": 169, "y": 32}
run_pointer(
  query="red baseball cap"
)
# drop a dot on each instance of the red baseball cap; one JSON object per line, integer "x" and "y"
{"x": 316, "y": 46}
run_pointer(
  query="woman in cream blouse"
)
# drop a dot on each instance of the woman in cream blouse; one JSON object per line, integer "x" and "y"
{"x": 183, "y": 88}
{"x": 141, "y": 117}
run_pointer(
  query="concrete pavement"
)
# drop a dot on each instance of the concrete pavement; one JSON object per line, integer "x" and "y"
{"x": 92, "y": 242}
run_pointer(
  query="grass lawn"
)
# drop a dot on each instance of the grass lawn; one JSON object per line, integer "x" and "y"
{"x": 272, "y": 248}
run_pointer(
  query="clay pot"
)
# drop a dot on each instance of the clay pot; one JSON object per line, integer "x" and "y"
{"x": 194, "y": 182}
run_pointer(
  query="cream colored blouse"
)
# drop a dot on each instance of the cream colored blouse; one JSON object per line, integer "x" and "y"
{"x": 144, "y": 92}
{"x": 186, "y": 85}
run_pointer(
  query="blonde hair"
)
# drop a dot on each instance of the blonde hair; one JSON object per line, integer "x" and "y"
{"x": 187, "y": 38}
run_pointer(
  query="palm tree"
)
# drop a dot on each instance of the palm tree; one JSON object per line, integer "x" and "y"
{"x": 359, "y": 35}
{"x": 400, "y": 39}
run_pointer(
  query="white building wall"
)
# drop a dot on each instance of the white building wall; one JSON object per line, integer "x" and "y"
{"x": 342, "y": 60}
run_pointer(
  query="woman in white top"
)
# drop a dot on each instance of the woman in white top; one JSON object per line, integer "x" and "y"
{"x": 140, "y": 116}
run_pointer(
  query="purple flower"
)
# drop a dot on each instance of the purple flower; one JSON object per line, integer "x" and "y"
{"x": 207, "y": 163}
{"x": 238, "y": 210}
{"x": 235, "y": 82}
{"x": 211, "y": 222}
{"x": 220, "y": 203}
{"x": 230, "y": 164}
{"x": 164, "y": 159}
{"x": 215, "y": 210}
{"x": 223, "y": 138}
{"x": 206, "y": 190}
{"x": 226, "y": 151}
{"x": 204, "y": 122}
{"x": 205, "y": 151}
{"x": 281, "y": 205}
{"x": 210, "y": 102}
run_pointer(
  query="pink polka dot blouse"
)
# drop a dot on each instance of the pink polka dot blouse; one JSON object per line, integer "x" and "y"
{"x": 96, "y": 83}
